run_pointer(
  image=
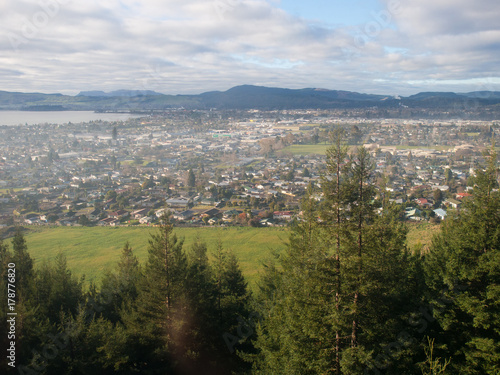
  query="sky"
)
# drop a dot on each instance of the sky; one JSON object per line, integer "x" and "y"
{"x": 396, "y": 47}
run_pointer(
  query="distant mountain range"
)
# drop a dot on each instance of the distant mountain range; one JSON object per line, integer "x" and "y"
{"x": 244, "y": 97}
{"x": 126, "y": 93}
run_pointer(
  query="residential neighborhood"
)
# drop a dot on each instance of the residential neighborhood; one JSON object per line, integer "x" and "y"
{"x": 225, "y": 167}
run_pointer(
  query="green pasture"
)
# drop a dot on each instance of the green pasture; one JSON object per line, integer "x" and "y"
{"x": 436, "y": 147}
{"x": 92, "y": 251}
{"x": 319, "y": 149}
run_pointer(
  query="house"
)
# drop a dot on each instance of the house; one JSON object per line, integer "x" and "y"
{"x": 422, "y": 202}
{"x": 460, "y": 196}
{"x": 148, "y": 203}
{"x": 68, "y": 205}
{"x": 266, "y": 223}
{"x": 207, "y": 201}
{"x": 120, "y": 214}
{"x": 146, "y": 220}
{"x": 231, "y": 213}
{"x": 178, "y": 202}
{"x": 440, "y": 213}
{"x": 163, "y": 211}
{"x": 64, "y": 222}
{"x": 139, "y": 214}
{"x": 441, "y": 187}
{"x": 412, "y": 213}
{"x": 94, "y": 215}
{"x": 184, "y": 215}
{"x": 453, "y": 203}
{"x": 32, "y": 221}
{"x": 210, "y": 213}
{"x": 109, "y": 221}
{"x": 397, "y": 201}
{"x": 282, "y": 215}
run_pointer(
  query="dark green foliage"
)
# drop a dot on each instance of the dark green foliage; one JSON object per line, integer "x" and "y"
{"x": 177, "y": 322}
{"x": 57, "y": 290}
{"x": 119, "y": 289}
{"x": 169, "y": 319}
{"x": 152, "y": 322}
{"x": 84, "y": 220}
{"x": 463, "y": 275}
{"x": 293, "y": 335}
{"x": 345, "y": 287}
{"x": 191, "y": 179}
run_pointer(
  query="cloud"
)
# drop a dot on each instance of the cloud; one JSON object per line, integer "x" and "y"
{"x": 194, "y": 46}
{"x": 445, "y": 17}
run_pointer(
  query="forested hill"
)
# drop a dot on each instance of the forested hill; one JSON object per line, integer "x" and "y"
{"x": 250, "y": 97}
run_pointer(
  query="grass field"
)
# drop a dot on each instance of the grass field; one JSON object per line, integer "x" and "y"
{"x": 319, "y": 149}
{"x": 6, "y": 191}
{"x": 421, "y": 234}
{"x": 437, "y": 148}
{"x": 92, "y": 251}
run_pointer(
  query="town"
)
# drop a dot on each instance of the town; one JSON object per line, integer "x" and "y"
{"x": 222, "y": 168}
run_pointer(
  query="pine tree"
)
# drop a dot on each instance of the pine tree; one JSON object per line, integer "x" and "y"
{"x": 191, "y": 179}
{"x": 463, "y": 274}
{"x": 155, "y": 324}
{"x": 343, "y": 287}
{"x": 336, "y": 187}
{"x": 120, "y": 288}
{"x": 293, "y": 336}
{"x": 57, "y": 290}
{"x": 362, "y": 212}
{"x": 200, "y": 303}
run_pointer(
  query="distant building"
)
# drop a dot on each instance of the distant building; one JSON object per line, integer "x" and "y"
{"x": 412, "y": 213}
{"x": 178, "y": 202}
{"x": 440, "y": 213}
{"x": 109, "y": 221}
{"x": 453, "y": 203}
{"x": 139, "y": 214}
{"x": 146, "y": 220}
{"x": 462, "y": 195}
{"x": 184, "y": 215}
{"x": 120, "y": 214}
{"x": 282, "y": 215}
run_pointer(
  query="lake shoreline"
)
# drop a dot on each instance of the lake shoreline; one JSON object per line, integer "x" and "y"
{"x": 60, "y": 117}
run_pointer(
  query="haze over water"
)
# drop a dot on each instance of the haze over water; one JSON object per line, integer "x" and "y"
{"x": 13, "y": 118}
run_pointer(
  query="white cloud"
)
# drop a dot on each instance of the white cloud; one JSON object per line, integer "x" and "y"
{"x": 194, "y": 46}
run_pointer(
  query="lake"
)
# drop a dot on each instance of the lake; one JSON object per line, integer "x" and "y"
{"x": 12, "y": 118}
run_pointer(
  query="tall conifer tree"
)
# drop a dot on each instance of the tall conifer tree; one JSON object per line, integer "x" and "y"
{"x": 154, "y": 325}
{"x": 463, "y": 274}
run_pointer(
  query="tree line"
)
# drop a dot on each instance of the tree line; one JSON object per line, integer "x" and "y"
{"x": 345, "y": 297}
